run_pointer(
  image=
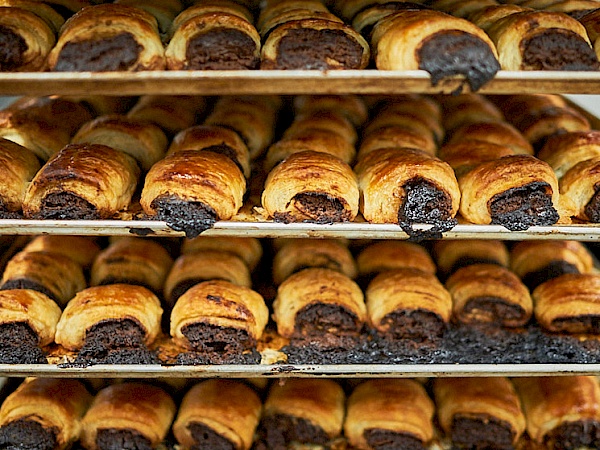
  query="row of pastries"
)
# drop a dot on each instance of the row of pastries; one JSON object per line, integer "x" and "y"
{"x": 516, "y": 161}
{"x": 463, "y": 413}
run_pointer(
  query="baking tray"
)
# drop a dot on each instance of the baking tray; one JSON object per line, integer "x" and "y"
{"x": 287, "y": 82}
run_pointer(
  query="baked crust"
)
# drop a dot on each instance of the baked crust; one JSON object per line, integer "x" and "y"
{"x": 80, "y": 249}
{"x": 563, "y": 151}
{"x": 529, "y": 256}
{"x": 248, "y": 249}
{"x": 450, "y": 254}
{"x": 172, "y": 113}
{"x": 18, "y": 166}
{"x": 501, "y": 133}
{"x": 390, "y": 255}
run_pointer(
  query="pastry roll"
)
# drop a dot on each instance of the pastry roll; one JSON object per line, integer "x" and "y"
{"x": 351, "y": 106}
{"x": 407, "y": 186}
{"x": 391, "y": 413}
{"x": 302, "y": 411}
{"x": 108, "y": 37}
{"x": 316, "y": 302}
{"x": 218, "y": 316}
{"x": 193, "y": 189}
{"x": 451, "y": 255}
{"x": 411, "y": 120}
{"x": 193, "y": 268}
{"x": 18, "y": 166}
{"x": 248, "y": 249}
{"x": 479, "y": 412}
{"x": 82, "y": 181}
{"x": 489, "y": 293}
{"x": 218, "y": 414}
{"x": 536, "y": 262}
{"x": 466, "y": 109}
{"x": 164, "y": 11}
{"x": 500, "y": 133}
{"x": 300, "y": 254}
{"x": 514, "y": 191}
{"x": 579, "y": 187}
{"x": 569, "y": 303}
{"x": 80, "y": 249}
{"x": 118, "y": 311}
{"x": 328, "y": 120}
{"x": 293, "y": 193}
{"x": 561, "y": 412}
{"x": 465, "y": 155}
{"x": 542, "y": 40}
{"x": 44, "y": 413}
{"x": 591, "y": 23}
{"x": 130, "y": 260}
{"x": 143, "y": 141}
{"x": 408, "y": 304}
{"x": 54, "y": 275}
{"x": 367, "y": 18}
{"x": 131, "y": 413}
{"x": 391, "y": 255}
{"x": 441, "y": 44}
{"x": 562, "y": 151}
{"x": 102, "y": 105}
{"x": 206, "y": 37}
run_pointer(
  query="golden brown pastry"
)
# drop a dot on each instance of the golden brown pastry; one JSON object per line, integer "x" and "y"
{"x": 395, "y": 116}
{"x": 318, "y": 301}
{"x": 293, "y": 194}
{"x": 44, "y": 413}
{"x": 579, "y": 189}
{"x": 441, "y": 44}
{"x": 591, "y": 24}
{"x": 366, "y": 19}
{"x": 396, "y": 136}
{"x": 467, "y": 109}
{"x": 82, "y": 181}
{"x": 216, "y": 414}
{"x": 132, "y": 261}
{"x": 209, "y": 38}
{"x": 55, "y": 275}
{"x": 486, "y": 17}
{"x": 461, "y": 8}
{"x": 351, "y": 106}
{"x": 391, "y": 255}
{"x": 219, "y": 316}
{"x": 538, "y": 261}
{"x": 193, "y": 268}
{"x": 193, "y": 189}
{"x": 408, "y": 304}
{"x": 501, "y": 133}
{"x": 327, "y": 120}
{"x": 133, "y": 412}
{"x": 451, "y": 255}
{"x": 302, "y": 411}
{"x": 18, "y": 166}
{"x": 479, "y": 412}
{"x": 80, "y": 249}
{"x": 164, "y": 11}
{"x": 514, "y": 191}
{"x": 564, "y": 150}
{"x": 569, "y": 303}
{"x": 574, "y": 8}
{"x": 108, "y": 37}
{"x": 109, "y": 307}
{"x": 248, "y": 249}
{"x": 143, "y": 141}
{"x": 465, "y": 155}
{"x": 392, "y": 412}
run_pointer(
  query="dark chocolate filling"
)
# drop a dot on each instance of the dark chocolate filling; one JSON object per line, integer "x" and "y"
{"x": 583, "y": 323}
{"x": 66, "y": 206}
{"x": 481, "y": 432}
{"x": 277, "y": 431}
{"x": 320, "y": 318}
{"x": 552, "y": 270}
{"x": 213, "y": 338}
{"x": 122, "y": 439}
{"x": 320, "y": 207}
{"x": 190, "y": 217}
{"x": 19, "y": 345}
{"x": 498, "y": 310}
{"x": 12, "y": 48}
{"x": 27, "y": 434}
{"x": 418, "y": 325}
{"x": 221, "y": 49}
{"x": 206, "y": 438}
{"x": 592, "y": 209}
{"x": 225, "y": 150}
{"x": 454, "y": 52}
{"x": 574, "y": 435}
{"x": 522, "y": 207}
{"x": 308, "y": 49}
{"x": 25, "y": 283}
{"x": 379, "y": 439}
{"x": 115, "y": 53}
{"x": 557, "y": 49}
{"x": 195, "y": 358}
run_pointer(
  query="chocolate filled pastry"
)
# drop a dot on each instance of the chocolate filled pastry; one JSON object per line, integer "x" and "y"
{"x": 127, "y": 415}
{"x": 451, "y": 255}
{"x": 393, "y": 116}
{"x": 580, "y": 187}
{"x": 391, "y": 255}
{"x": 54, "y": 275}
{"x": 108, "y": 37}
{"x": 293, "y": 193}
{"x": 514, "y": 191}
{"x": 81, "y": 249}
{"x": 390, "y": 413}
{"x": 366, "y": 19}
{"x": 211, "y": 37}
{"x": 300, "y": 254}
{"x": 132, "y": 261}
{"x": 18, "y": 166}
{"x": 193, "y": 268}
{"x": 220, "y": 321}
{"x": 164, "y": 11}
{"x": 143, "y": 141}
{"x": 248, "y": 249}
{"x": 28, "y": 321}
{"x": 192, "y": 189}
{"x": 569, "y": 303}
{"x": 351, "y": 106}
{"x": 407, "y": 186}
{"x": 82, "y": 181}
{"x": 43, "y": 413}
{"x": 112, "y": 324}
{"x": 479, "y": 412}
{"x": 396, "y": 136}
{"x": 489, "y": 293}
{"x": 302, "y": 411}
{"x": 408, "y": 304}
{"x": 536, "y": 262}
{"x": 28, "y": 32}
{"x": 562, "y": 151}
{"x": 218, "y": 414}
{"x": 467, "y": 109}
{"x": 465, "y": 155}
{"x": 333, "y": 121}
{"x": 436, "y": 42}
{"x": 542, "y": 40}
{"x": 500, "y": 133}
{"x": 590, "y": 22}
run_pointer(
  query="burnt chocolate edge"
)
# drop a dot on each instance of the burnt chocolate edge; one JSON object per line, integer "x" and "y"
{"x": 191, "y": 217}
